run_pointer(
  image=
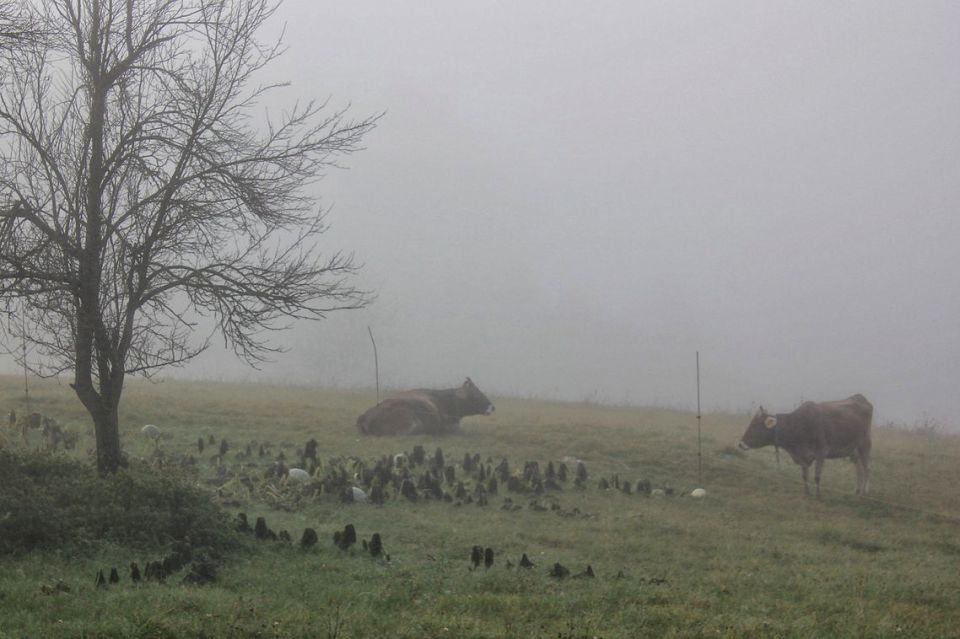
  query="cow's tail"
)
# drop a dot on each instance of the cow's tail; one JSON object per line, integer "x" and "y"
{"x": 865, "y": 406}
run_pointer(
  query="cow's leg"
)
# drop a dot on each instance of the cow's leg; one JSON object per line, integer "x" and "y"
{"x": 416, "y": 426}
{"x": 817, "y": 470}
{"x": 450, "y": 426}
{"x": 864, "y": 455}
{"x": 805, "y": 472}
{"x": 858, "y": 464}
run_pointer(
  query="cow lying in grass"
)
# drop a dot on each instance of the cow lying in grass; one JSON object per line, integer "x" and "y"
{"x": 425, "y": 412}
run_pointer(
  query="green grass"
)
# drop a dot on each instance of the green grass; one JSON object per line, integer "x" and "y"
{"x": 754, "y": 558}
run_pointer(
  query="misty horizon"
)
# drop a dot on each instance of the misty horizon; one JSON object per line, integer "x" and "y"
{"x": 568, "y": 201}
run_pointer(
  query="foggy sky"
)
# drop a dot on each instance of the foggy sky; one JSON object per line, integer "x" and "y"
{"x": 569, "y": 199}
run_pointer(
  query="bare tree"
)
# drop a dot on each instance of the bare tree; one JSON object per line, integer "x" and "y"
{"x": 142, "y": 193}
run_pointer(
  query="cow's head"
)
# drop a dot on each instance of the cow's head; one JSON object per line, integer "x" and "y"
{"x": 474, "y": 399}
{"x": 760, "y": 431}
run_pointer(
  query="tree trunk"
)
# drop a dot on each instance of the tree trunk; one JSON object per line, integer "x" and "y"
{"x": 91, "y": 347}
{"x": 104, "y": 411}
{"x": 106, "y": 424}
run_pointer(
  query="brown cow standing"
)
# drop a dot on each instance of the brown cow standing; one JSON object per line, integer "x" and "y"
{"x": 818, "y": 431}
{"x": 425, "y": 412}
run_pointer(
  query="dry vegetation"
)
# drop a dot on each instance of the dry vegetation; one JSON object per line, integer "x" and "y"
{"x": 754, "y": 558}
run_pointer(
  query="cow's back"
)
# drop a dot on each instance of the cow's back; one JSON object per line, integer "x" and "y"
{"x": 845, "y": 423}
{"x": 445, "y": 400}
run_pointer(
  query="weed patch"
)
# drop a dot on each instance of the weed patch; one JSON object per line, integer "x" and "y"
{"x": 53, "y": 502}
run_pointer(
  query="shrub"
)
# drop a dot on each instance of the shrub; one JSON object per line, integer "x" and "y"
{"x": 55, "y": 502}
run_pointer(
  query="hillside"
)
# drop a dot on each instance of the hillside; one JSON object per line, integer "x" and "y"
{"x": 753, "y": 558}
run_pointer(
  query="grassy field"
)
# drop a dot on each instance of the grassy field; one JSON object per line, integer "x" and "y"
{"x": 755, "y": 558}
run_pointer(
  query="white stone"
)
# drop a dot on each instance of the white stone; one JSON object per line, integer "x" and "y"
{"x": 299, "y": 474}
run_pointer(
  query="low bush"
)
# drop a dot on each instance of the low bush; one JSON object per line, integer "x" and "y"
{"x": 55, "y": 502}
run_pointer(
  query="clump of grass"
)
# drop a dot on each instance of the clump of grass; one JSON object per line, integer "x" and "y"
{"x": 56, "y": 502}
{"x": 843, "y": 539}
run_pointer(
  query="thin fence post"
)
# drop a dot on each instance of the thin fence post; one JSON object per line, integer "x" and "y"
{"x": 376, "y": 362}
{"x": 699, "y": 432}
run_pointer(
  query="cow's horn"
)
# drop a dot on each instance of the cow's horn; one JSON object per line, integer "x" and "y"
{"x": 770, "y": 421}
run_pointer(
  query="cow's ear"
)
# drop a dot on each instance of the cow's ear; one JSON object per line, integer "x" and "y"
{"x": 770, "y": 421}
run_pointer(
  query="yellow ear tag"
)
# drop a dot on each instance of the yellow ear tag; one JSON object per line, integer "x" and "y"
{"x": 770, "y": 421}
